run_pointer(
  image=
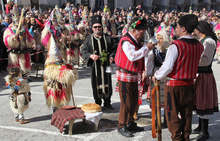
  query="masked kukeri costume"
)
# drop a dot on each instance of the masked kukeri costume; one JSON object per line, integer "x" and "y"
{"x": 20, "y": 94}
{"x": 58, "y": 76}
{"x": 19, "y": 43}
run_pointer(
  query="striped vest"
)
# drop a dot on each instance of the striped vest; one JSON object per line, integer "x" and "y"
{"x": 186, "y": 65}
{"x": 121, "y": 59}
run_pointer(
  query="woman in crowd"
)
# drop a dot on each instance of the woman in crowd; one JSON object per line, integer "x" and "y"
{"x": 206, "y": 92}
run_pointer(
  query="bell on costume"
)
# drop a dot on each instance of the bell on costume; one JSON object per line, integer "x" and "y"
{"x": 108, "y": 69}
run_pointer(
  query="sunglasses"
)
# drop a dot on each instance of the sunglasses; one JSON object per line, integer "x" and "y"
{"x": 97, "y": 26}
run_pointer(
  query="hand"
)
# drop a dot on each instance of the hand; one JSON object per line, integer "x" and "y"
{"x": 94, "y": 57}
{"x": 150, "y": 46}
{"x": 154, "y": 79}
{"x": 111, "y": 59}
{"x": 144, "y": 75}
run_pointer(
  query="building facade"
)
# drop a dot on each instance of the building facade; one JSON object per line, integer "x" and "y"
{"x": 149, "y": 5}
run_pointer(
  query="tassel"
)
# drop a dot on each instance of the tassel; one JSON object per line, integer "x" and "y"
{"x": 63, "y": 94}
{"x": 139, "y": 100}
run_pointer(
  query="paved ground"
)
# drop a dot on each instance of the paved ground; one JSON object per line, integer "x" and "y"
{"x": 40, "y": 115}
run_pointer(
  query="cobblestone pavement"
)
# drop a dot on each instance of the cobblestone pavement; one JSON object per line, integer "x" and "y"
{"x": 39, "y": 114}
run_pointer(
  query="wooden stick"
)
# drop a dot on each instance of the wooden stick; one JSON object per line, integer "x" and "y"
{"x": 153, "y": 114}
{"x": 20, "y": 21}
{"x": 159, "y": 132}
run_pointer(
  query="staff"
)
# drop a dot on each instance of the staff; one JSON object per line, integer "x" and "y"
{"x": 156, "y": 90}
{"x": 20, "y": 21}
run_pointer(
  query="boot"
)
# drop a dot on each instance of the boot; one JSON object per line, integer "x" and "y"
{"x": 124, "y": 132}
{"x": 198, "y": 129}
{"x": 204, "y": 134}
{"x": 132, "y": 127}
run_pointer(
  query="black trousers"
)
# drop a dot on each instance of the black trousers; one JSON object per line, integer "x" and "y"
{"x": 98, "y": 94}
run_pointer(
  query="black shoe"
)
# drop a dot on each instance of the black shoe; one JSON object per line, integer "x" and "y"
{"x": 124, "y": 132}
{"x": 109, "y": 107}
{"x": 198, "y": 129}
{"x": 202, "y": 136}
{"x": 132, "y": 127}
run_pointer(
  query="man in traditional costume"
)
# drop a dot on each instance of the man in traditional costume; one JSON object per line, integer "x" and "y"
{"x": 58, "y": 76}
{"x": 181, "y": 65}
{"x": 130, "y": 62}
{"x": 20, "y": 95}
{"x": 97, "y": 51}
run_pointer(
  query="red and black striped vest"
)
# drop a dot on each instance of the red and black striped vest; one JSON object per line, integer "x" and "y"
{"x": 121, "y": 59}
{"x": 186, "y": 65}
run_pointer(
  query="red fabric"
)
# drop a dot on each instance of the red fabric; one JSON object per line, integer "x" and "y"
{"x": 180, "y": 82}
{"x": 206, "y": 93}
{"x": 122, "y": 61}
{"x": 126, "y": 77}
{"x": 40, "y": 24}
{"x": 61, "y": 116}
{"x": 57, "y": 94}
{"x": 186, "y": 65}
{"x": 7, "y": 9}
{"x": 65, "y": 67}
{"x": 27, "y": 60}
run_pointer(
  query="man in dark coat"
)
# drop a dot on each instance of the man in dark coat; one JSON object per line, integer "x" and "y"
{"x": 3, "y": 49}
{"x": 97, "y": 50}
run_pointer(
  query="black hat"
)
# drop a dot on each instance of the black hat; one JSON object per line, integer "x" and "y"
{"x": 189, "y": 21}
{"x": 96, "y": 19}
{"x": 138, "y": 23}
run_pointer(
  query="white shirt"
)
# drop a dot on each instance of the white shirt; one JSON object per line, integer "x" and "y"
{"x": 131, "y": 53}
{"x": 170, "y": 59}
{"x": 208, "y": 53}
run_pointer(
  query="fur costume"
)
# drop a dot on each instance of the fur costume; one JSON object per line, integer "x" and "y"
{"x": 58, "y": 76}
{"x": 20, "y": 95}
{"x": 19, "y": 47}
{"x": 72, "y": 45}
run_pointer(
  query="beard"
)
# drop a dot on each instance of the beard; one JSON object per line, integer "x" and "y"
{"x": 99, "y": 33}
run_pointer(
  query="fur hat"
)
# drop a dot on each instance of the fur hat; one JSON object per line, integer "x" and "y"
{"x": 96, "y": 19}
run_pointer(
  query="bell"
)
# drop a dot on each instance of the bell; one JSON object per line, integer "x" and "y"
{"x": 108, "y": 69}
{"x": 153, "y": 40}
